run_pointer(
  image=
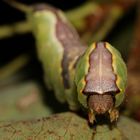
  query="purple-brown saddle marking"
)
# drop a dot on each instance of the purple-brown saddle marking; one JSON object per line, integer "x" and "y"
{"x": 100, "y": 78}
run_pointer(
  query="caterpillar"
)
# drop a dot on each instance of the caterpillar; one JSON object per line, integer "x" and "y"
{"x": 93, "y": 77}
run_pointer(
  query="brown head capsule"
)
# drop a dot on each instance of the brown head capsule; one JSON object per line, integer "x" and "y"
{"x": 100, "y": 103}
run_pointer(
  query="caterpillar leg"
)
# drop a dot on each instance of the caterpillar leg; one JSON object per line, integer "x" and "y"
{"x": 114, "y": 114}
{"x": 91, "y": 116}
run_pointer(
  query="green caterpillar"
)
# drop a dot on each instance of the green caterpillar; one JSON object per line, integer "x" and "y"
{"x": 93, "y": 77}
{"x": 58, "y": 47}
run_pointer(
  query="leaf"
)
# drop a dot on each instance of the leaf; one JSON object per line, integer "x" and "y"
{"x": 129, "y": 128}
{"x": 22, "y": 101}
{"x": 58, "y": 127}
{"x": 68, "y": 126}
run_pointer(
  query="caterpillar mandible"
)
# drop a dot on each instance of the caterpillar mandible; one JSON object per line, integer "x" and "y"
{"x": 94, "y": 77}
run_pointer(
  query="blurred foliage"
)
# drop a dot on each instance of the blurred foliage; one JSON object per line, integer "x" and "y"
{"x": 22, "y": 101}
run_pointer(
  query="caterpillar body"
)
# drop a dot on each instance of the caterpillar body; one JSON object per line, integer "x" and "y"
{"x": 94, "y": 77}
{"x": 58, "y": 47}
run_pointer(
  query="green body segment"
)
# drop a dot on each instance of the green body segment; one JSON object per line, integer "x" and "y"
{"x": 81, "y": 71}
{"x": 119, "y": 69}
{"x": 51, "y": 52}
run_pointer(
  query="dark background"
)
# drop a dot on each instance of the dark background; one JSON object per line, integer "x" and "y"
{"x": 14, "y": 46}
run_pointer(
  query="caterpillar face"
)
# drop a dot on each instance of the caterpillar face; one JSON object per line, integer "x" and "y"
{"x": 100, "y": 104}
{"x": 101, "y": 78}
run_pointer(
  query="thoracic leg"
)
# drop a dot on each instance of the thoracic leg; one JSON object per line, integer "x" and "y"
{"x": 114, "y": 114}
{"x": 91, "y": 116}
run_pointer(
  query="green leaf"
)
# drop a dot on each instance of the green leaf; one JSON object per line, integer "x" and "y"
{"x": 68, "y": 126}
{"x": 22, "y": 101}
